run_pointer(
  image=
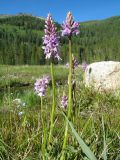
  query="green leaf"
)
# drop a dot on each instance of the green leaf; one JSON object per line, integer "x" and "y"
{"x": 105, "y": 146}
{"x": 82, "y": 144}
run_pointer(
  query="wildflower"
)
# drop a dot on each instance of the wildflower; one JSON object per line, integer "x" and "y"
{"x": 41, "y": 85}
{"x": 23, "y": 104}
{"x": 67, "y": 65}
{"x": 70, "y": 27}
{"x": 84, "y": 66}
{"x": 64, "y": 101}
{"x": 74, "y": 63}
{"x": 17, "y": 100}
{"x": 50, "y": 40}
{"x": 20, "y": 113}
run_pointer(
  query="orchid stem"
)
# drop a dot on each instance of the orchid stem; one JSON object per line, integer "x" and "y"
{"x": 43, "y": 144}
{"x": 70, "y": 98}
{"x": 53, "y": 104}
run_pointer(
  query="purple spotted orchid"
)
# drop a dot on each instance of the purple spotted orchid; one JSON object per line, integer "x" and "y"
{"x": 64, "y": 101}
{"x": 50, "y": 40}
{"x": 41, "y": 85}
{"x": 74, "y": 63}
{"x": 69, "y": 27}
{"x": 84, "y": 66}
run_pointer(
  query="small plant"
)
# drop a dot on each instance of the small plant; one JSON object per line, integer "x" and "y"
{"x": 64, "y": 101}
{"x": 69, "y": 28}
{"x": 51, "y": 50}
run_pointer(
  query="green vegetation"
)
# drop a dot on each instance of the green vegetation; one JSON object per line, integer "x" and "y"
{"x": 21, "y": 40}
{"x": 97, "y": 119}
{"x": 16, "y": 75}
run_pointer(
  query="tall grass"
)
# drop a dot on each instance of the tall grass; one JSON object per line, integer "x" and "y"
{"x": 96, "y": 126}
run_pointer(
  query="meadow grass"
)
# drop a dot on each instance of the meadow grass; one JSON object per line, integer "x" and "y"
{"x": 24, "y": 131}
{"x": 23, "y": 75}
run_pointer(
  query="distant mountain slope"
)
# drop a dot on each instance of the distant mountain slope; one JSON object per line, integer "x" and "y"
{"x": 21, "y": 40}
{"x": 101, "y": 39}
{"x": 25, "y": 21}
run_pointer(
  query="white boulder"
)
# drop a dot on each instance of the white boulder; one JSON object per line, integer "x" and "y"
{"x": 103, "y": 75}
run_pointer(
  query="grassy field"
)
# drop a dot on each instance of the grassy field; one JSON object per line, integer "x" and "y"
{"x": 24, "y": 124}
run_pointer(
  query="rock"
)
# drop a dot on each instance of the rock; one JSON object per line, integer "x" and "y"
{"x": 103, "y": 75}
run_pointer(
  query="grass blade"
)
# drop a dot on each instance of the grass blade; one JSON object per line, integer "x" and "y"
{"x": 105, "y": 146}
{"x": 82, "y": 144}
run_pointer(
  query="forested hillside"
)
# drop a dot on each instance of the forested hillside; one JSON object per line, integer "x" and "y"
{"x": 21, "y": 40}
